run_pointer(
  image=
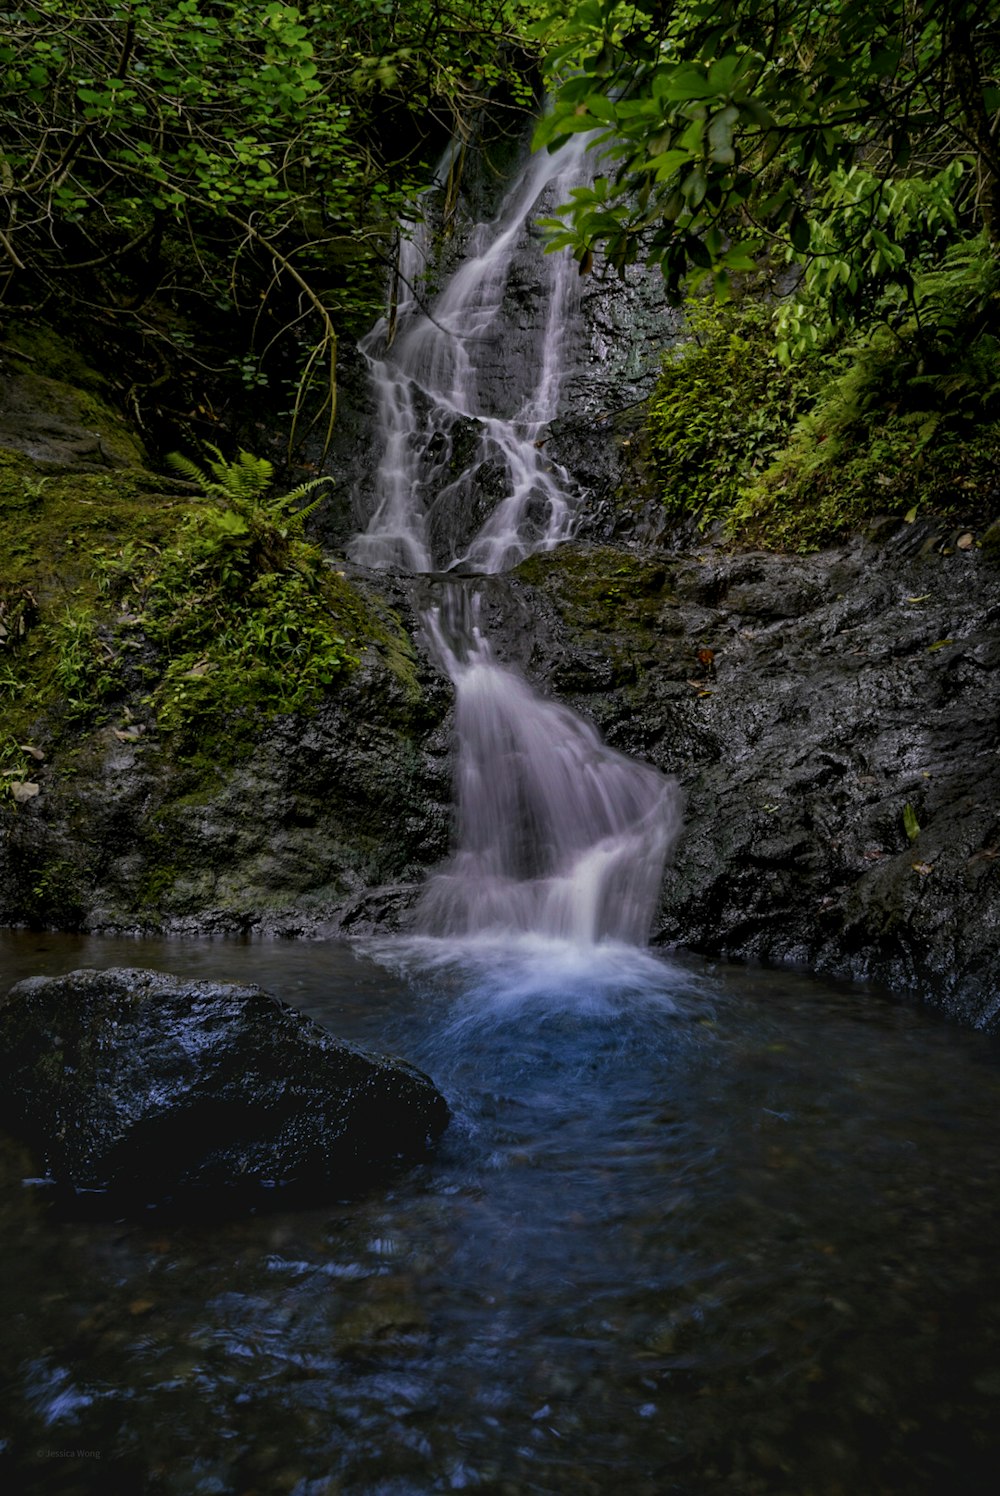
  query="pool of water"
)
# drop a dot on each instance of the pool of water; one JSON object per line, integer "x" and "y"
{"x": 694, "y": 1229}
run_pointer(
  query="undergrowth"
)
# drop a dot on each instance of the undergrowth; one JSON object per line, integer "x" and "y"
{"x": 218, "y": 612}
{"x": 722, "y": 409}
{"x": 241, "y": 610}
{"x": 904, "y": 422}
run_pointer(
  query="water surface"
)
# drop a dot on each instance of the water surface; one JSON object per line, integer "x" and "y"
{"x": 693, "y": 1229}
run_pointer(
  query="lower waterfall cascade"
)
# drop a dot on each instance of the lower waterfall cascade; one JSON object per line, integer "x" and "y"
{"x": 559, "y": 836}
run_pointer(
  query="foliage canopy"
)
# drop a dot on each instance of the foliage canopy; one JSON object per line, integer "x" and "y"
{"x": 853, "y": 139}
{"x": 169, "y": 168}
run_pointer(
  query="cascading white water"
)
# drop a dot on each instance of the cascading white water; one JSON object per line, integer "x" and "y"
{"x": 437, "y": 374}
{"x": 557, "y": 833}
{"x": 561, "y": 841}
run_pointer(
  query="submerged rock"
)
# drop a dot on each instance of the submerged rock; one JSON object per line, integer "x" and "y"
{"x": 150, "y": 1089}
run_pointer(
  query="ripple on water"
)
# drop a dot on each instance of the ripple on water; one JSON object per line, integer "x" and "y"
{"x": 694, "y": 1229}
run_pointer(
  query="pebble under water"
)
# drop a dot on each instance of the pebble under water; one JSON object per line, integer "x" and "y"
{"x": 693, "y": 1229}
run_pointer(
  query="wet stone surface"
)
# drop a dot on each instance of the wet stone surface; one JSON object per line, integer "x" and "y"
{"x": 834, "y": 723}
{"x": 137, "y": 1090}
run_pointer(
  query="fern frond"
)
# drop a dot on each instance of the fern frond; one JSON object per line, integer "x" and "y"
{"x": 188, "y": 469}
{"x": 251, "y": 475}
{"x": 244, "y": 484}
{"x": 285, "y": 504}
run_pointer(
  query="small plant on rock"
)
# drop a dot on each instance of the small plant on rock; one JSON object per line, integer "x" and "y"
{"x": 247, "y": 527}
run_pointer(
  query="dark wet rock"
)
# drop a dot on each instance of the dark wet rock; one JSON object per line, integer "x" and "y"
{"x": 150, "y": 1089}
{"x": 318, "y": 809}
{"x": 59, "y": 425}
{"x": 629, "y": 328}
{"x": 805, "y": 703}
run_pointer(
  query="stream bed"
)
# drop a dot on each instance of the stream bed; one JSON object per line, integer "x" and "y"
{"x": 693, "y": 1229}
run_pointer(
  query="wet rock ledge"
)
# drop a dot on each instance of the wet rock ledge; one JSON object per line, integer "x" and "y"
{"x": 139, "y": 1089}
{"x": 833, "y": 720}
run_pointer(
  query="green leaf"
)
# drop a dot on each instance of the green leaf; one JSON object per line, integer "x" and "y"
{"x": 720, "y": 136}
{"x": 758, "y": 112}
{"x": 741, "y": 256}
{"x": 910, "y": 823}
{"x": 694, "y": 187}
{"x": 666, "y": 164}
{"x": 601, "y": 108}
{"x": 799, "y": 231}
{"x": 698, "y": 252}
{"x": 674, "y": 85}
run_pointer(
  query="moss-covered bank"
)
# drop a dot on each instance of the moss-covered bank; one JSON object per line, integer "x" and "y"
{"x": 900, "y": 419}
{"x": 201, "y": 717}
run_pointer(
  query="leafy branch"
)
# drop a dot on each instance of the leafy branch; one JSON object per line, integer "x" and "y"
{"x": 731, "y": 127}
{"x": 225, "y": 159}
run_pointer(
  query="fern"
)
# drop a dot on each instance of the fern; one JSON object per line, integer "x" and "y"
{"x": 245, "y": 485}
{"x": 285, "y": 504}
{"x": 245, "y": 531}
{"x": 962, "y": 294}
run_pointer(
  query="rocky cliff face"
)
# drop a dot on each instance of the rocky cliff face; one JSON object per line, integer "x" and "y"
{"x": 109, "y": 822}
{"x": 833, "y": 720}
{"x": 125, "y": 833}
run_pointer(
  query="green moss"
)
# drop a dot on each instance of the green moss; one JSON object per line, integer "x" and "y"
{"x": 53, "y": 357}
{"x": 54, "y": 526}
{"x": 80, "y": 425}
{"x": 612, "y": 598}
{"x": 376, "y": 623}
{"x": 905, "y": 422}
{"x": 587, "y": 580}
{"x": 52, "y": 523}
{"x": 176, "y": 608}
{"x": 903, "y": 430}
{"x": 156, "y": 885}
{"x": 802, "y": 504}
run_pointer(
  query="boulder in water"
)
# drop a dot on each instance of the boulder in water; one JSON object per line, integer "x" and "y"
{"x": 149, "y": 1089}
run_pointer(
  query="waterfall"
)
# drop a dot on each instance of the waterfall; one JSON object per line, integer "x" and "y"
{"x": 452, "y": 364}
{"x": 561, "y": 841}
{"x": 557, "y": 834}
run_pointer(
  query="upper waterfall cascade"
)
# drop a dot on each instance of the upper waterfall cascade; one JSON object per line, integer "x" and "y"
{"x": 559, "y": 837}
{"x": 437, "y": 374}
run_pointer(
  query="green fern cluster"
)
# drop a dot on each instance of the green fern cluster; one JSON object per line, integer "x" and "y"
{"x": 251, "y": 515}
{"x": 246, "y": 530}
{"x": 245, "y": 484}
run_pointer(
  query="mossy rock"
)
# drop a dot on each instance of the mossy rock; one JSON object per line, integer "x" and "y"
{"x": 57, "y": 411}
{"x": 602, "y": 588}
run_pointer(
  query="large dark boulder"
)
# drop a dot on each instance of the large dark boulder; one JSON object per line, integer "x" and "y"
{"x": 148, "y": 1089}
